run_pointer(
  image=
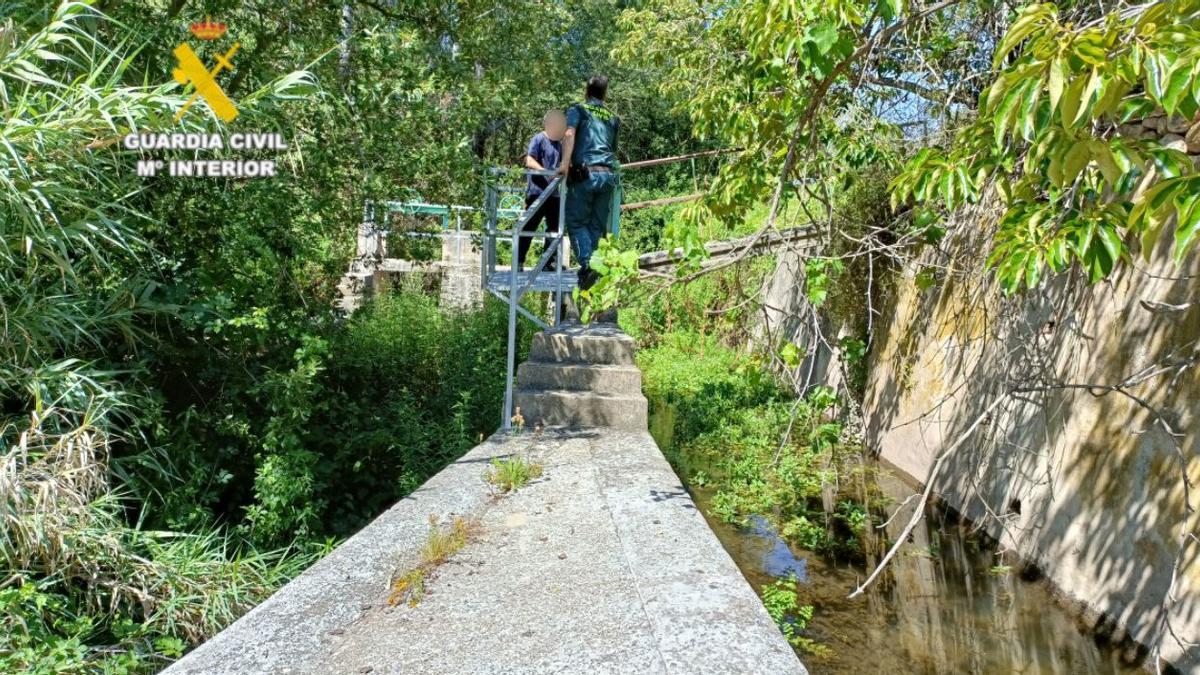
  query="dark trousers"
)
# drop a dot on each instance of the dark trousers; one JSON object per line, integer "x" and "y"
{"x": 548, "y": 212}
{"x": 589, "y": 208}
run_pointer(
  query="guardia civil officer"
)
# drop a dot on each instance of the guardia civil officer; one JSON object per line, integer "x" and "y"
{"x": 589, "y": 151}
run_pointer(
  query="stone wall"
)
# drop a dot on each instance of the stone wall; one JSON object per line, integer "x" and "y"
{"x": 1176, "y": 133}
{"x": 1083, "y": 481}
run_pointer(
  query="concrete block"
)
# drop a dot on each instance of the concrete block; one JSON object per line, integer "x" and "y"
{"x": 558, "y": 407}
{"x": 580, "y": 377}
{"x": 604, "y": 565}
{"x": 603, "y": 344}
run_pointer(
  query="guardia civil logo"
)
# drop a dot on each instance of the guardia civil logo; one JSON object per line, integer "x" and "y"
{"x": 192, "y": 70}
{"x": 202, "y": 83}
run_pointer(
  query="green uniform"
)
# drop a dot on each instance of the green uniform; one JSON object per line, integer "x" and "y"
{"x": 589, "y": 199}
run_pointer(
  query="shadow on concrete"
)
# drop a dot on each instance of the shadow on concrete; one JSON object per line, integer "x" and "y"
{"x": 681, "y": 495}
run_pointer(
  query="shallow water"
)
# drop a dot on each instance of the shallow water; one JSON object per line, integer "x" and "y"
{"x": 945, "y": 605}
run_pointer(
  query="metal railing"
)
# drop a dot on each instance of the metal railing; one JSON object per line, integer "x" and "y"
{"x": 513, "y": 284}
{"x": 506, "y": 202}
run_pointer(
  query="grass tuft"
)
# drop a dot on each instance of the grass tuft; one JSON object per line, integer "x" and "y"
{"x": 440, "y": 545}
{"x": 513, "y": 473}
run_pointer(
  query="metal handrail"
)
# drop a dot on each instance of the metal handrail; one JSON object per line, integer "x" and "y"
{"x": 554, "y": 248}
{"x": 516, "y": 290}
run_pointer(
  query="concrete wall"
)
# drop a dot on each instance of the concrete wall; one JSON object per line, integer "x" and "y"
{"x": 1086, "y": 484}
{"x": 601, "y": 565}
{"x": 787, "y": 316}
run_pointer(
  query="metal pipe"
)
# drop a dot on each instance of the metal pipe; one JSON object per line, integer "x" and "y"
{"x": 558, "y": 251}
{"x": 533, "y": 318}
{"x": 679, "y": 158}
{"x": 512, "y": 332}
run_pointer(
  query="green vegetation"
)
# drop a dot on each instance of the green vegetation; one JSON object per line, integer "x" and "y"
{"x": 987, "y": 98}
{"x": 783, "y": 604}
{"x": 442, "y": 543}
{"x": 761, "y": 451}
{"x": 512, "y": 473}
{"x": 1076, "y": 190}
{"x": 187, "y": 420}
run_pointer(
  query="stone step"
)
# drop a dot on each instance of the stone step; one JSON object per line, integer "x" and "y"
{"x": 597, "y": 344}
{"x": 559, "y": 407}
{"x": 580, "y": 377}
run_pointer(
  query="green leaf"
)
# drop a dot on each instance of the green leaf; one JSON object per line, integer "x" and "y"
{"x": 1089, "y": 48}
{"x": 1076, "y": 159}
{"x": 1055, "y": 172}
{"x": 791, "y": 354}
{"x": 1135, "y": 108}
{"x": 996, "y": 92}
{"x": 1157, "y": 67}
{"x": 1027, "y": 22}
{"x": 1112, "y": 90}
{"x": 965, "y": 187}
{"x": 1057, "y": 81}
{"x": 1004, "y": 188}
{"x": 889, "y": 9}
{"x": 947, "y": 186}
{"x": 823, "y": 36}
{"x": 1103, "y": 155}
{"x": 1033, "y": 270}
{"x": 1178, "y": 80}
{"x": 1196, "y": 84}
{"x": 1188, "y": 226}
{"x": 1072, "y": 101}
{"x": 1147, "y": 214}
{"x": 924, "y": 218}
{"x": 1111, "y": 241}
{"x": 1027, "y": 118}
{"x": 1003, "y": 117}
{"x": 1094, "y": 82}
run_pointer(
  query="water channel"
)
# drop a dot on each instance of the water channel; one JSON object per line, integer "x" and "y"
{"x": 947, "y": 604}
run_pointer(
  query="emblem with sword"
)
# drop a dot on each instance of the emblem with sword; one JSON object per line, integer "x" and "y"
{"x": 191, "y": 69}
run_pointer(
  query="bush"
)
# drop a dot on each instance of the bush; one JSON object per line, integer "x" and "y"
{"x": 703, "y": 382}
{"x": 408, "y": 389}
{"x": 759, "y": 450}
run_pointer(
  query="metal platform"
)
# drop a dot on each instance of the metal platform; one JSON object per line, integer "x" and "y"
{"x": 501, "y": 281}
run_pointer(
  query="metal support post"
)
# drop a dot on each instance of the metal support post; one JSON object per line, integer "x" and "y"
{"x": 558, "y": 254}
{"x": 513, "y": 298}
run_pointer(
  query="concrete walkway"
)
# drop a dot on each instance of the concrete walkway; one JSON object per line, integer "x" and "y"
{"x": 603, "y": 565}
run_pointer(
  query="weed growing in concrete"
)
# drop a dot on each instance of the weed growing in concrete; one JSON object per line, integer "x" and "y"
{"x": 440, "y": 545}
{"x": 445, "y": 542}
{"x": 512, "y": 473}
